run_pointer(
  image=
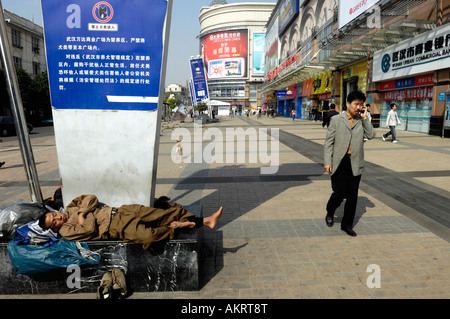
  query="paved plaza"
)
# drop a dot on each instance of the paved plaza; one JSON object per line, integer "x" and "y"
{"x": 272, "y": 241}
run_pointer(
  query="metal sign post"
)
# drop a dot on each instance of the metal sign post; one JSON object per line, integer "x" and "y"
{"x": 107, "y": 62}
{"x": 18, "y": 113}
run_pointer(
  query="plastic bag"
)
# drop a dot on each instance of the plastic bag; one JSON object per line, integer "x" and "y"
{"x": 33, "y": 259}
{"x": 18, "y": 213}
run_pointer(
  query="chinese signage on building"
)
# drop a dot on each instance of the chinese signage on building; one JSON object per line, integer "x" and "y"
{"x": 225, "y": 54}
{"x": 426, "y": 52}
{"x": 98, "y": 57}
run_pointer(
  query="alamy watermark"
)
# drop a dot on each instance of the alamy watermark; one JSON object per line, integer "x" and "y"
{"x": 74, "y": 279}
{"x": 214, "y": 151}
{"x": 374, "y": 280}
{"x": 374, "y": 19}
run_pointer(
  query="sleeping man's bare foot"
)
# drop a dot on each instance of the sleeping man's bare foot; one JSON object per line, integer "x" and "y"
{"x": 211, "y": 221}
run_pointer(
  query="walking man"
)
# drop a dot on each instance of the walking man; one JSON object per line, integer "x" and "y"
{"x": 392, "y": 121}
{"x": 344, "y": 158}
{"x": 327, "y": 117}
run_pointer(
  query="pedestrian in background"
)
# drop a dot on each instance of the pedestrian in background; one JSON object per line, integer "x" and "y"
{"x": 327, "y": 117}
{"x": 344, "y": 158}
{"x": 369, "y": 115}
{"x": 392, "y": 121}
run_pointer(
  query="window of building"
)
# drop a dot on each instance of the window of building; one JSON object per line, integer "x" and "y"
{"x": 15, "y": 35}
{"x": 322, "y": 39}
{"x": 17, "y": 62}
{"x": 226, "y": 90}
{"x": 35, "y": 45}
{"x": 36, "y": 68}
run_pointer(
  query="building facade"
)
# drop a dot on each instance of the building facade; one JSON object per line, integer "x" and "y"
{"x": 318, "y": 51}
{"x": 232, "y": 47}
{"x": 176, "y": 89}
{"x": 27, "y": 46}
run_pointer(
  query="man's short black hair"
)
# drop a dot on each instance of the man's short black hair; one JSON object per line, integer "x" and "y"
{"x": 41, "y": 221}
{"x": 392, "y": 105}
{"x": 356, "y": 95}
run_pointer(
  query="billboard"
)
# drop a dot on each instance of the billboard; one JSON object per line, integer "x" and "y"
{"x": 288, "y": 11}
{"x": 271, "y": 48}
{"x": 98, "y": 58}
{"x": 349, "y": 10}
{"x": 225, "y": 54}
{"x": 258, "y": 54}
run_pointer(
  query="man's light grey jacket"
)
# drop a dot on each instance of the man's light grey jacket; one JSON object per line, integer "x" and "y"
{"x": 340, "y": 135}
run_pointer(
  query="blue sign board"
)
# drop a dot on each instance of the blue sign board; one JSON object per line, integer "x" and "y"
{"x": 281, "y": 94}
{"x": 102, "y": 55}
{"x": 199, "y": 80}
{"x": 288, "y": 9}
{"x": 405, "y": 83}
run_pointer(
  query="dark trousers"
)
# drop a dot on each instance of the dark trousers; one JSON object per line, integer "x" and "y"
{"x": 391, "y": 132}
{"x": 345, "y": 186}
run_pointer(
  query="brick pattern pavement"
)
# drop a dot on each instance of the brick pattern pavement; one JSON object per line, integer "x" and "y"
{"x": 272, "y": 241}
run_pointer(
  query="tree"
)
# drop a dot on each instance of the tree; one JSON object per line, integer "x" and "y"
{"x": 201, "y": 106}
{"x": 34, "y": 93}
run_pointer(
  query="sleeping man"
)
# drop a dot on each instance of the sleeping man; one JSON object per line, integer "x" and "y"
{"x": 87, "y": 219}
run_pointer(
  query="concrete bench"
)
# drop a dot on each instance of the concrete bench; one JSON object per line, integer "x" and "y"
{"x": 169, "y": 266}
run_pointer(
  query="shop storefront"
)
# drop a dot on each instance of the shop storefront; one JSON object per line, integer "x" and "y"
{"x": 299, "y": 104}
{"x": 281, "y": 102}
{"x": 322, "y": 86}
{"x": 414, "y": 74}
{"x": 414, "y": 99}
{"x": 354, "y": 78}
{"x": 316, "y": 94}
{"x": 306, "y": 99}
{"x": 291, "y": 100}
{"x": 270, "y": 102}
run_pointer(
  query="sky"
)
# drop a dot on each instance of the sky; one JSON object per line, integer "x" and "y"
{"x": 184, "y": 29}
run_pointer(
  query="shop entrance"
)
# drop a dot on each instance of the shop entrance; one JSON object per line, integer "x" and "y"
{"x": 349, "y": 85}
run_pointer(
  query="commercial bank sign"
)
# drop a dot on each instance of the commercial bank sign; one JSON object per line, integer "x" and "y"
{"x": 427, "y": 52}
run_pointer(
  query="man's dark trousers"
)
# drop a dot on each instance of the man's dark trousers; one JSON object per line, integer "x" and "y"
{"x": 344, "y": 185}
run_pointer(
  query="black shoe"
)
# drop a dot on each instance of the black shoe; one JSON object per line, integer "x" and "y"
{"x": 329, "y": 220}
{"x": 349, "y": 232}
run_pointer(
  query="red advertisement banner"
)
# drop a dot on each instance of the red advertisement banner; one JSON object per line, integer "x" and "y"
{"x": 421, "y": 93}
{"x": 225, "y": 54}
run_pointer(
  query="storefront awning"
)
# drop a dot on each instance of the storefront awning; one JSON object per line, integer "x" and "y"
{"x": 300, "y": 74}
{"x": 356, "y": 42}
